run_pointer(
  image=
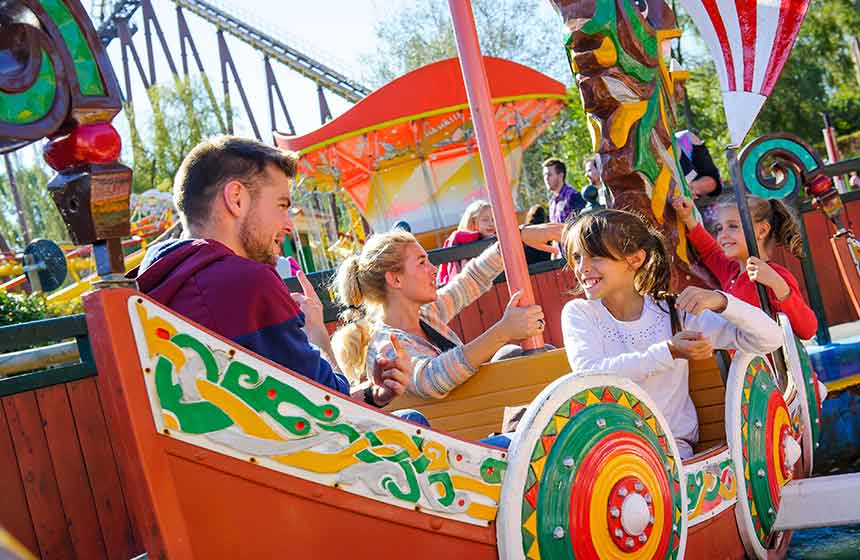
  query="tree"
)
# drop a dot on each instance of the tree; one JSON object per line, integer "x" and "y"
{"x": 417, "y": 33}
{"x": 181, "y": 117}
{"x": 44, "y": 220}
{"x": 818, "y": 77}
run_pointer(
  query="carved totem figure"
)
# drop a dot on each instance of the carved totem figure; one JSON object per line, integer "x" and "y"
{"x": 619, "y": 52}
{"x": 56, "y": 81}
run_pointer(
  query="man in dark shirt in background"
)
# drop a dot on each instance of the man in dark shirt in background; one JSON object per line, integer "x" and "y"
{"x": 565, "y": 201}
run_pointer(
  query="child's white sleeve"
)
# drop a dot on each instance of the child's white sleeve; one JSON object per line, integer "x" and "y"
{"x": 588, "y": 356}
{"x": 740, "y": 326}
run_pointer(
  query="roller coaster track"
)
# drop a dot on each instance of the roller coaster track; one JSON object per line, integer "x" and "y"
{"x": 300, "y": 62}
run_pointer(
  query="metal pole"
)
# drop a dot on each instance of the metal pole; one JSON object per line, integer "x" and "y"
{"x": 752, "y": 248}
{"x": 812, "y": 288}
{"x": 746, "y": 220}
{"x": 832, "y": 151}
{"x": 498, "y": 183}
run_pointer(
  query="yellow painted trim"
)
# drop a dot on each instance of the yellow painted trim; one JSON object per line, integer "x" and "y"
{"x": 157, "y": 345}
{"x": 481, "y": 511}
{"x": 605, "y": 54}
{"x": 664, "y": 34}
{"x": 238, "y": 411}
{"x": 327, "y": 463}
{"x": 780, "y": 420}
{"x": 623, "y": 120}
{"x": 842, "y": 384}
{"x": 473, "y": 485}
{"x": 390, "y": 436}
{"x": 169, "y": 420}
{"x": 615, "y": 469}
{"x": 424, "y": 115}
{"x": 660, "y": 192}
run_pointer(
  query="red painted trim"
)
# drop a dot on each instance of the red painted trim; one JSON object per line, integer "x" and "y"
{"x": 791, "y": 14}
{"x": 720, "y": 31}
{"x": 746, "y": 10}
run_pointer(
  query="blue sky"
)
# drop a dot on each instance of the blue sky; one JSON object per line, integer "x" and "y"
{"x": 337, "y": 32}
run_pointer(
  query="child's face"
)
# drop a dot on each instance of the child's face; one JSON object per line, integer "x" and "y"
{"x": 729, "y": 233}
{"x": 601, "y": 276}
{"x": 486, "y": 223}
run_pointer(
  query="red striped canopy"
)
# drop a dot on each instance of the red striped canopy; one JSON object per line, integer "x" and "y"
{"x": 750, "y": 41}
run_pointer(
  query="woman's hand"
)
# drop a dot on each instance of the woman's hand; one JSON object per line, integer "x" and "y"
{"x": 391, "y": 372}
{"x": 761, "y": 272}
{"x": 695, "y": 300}
{"x": 309, "y": 302}
{"x": 684, "y": 209}
{"x": 541, "y": 235}
{"x": 519, "y": 323}
{"x": 690, "y": 345}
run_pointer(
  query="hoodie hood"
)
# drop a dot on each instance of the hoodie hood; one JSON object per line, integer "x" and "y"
{"x": 168, "y": 265}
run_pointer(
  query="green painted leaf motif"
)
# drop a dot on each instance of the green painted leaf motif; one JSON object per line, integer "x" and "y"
{"x": 187, "y": 341}
{"x": 445, "y": 480}
{"x": 493, "y": 470}
{"x": 195, "y": 417}
{"x": 412, "y": 493}
{"x": 267, "y": 394}
{"x": 694, "y": 489}
{"x": 31, "y": 105}
{"x": 86, "y": 68}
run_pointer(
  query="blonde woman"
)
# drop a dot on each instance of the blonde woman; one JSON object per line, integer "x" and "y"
{"x": 389, "y": 289}
{"x": 476, "y": 223}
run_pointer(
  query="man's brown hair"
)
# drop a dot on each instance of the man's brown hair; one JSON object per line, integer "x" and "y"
{"x": 217, "y": 160}
{"x": 558, "y": 165}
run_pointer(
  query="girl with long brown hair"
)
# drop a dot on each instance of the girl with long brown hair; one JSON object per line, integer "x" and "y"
{"x": 629, "y": 325}
{"x": 728, "y": 258}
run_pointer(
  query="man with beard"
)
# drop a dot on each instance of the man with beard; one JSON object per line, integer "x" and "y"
{"x": 233, "y": 197}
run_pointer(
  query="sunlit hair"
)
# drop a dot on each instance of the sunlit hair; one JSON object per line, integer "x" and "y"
{"x": 784, "y": 223}
{"x": 616, "y": 234}
{"x": 469, "y": 220}
{"x": 360, "y": 289}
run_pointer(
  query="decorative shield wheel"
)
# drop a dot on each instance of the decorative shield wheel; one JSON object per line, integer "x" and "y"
{"x": 594, "y": 472}
{"x": 762, "y": 441}
{"x": 800, "y": 369}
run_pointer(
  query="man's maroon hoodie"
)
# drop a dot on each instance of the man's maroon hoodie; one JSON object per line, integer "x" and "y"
{"x": 240, "y": 299}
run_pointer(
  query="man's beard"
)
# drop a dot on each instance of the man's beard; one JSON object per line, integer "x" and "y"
{"x": 260, "y": 250}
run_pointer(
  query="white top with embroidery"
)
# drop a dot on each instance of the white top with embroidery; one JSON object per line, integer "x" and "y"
{"x": 596, "y": 342}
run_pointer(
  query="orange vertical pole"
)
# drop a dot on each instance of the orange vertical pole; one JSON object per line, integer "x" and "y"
{"x": 495, "y": 173}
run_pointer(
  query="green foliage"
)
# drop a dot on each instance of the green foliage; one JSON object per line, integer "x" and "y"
{"x": 818, "y": 77}
{"x": 568, "y": 139}
{"x": 21, "y": 308}
{"x": 43, "y": 218}
{"x": 417, "y": 33}
{"x": 182, "y": 115}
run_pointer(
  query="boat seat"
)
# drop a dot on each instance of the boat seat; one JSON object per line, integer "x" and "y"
{"x": 708, "y": 391}
{"x": 475, "y": 409}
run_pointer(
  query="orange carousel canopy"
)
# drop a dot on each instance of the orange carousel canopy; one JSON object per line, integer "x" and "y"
{"x": 408, "y": 152}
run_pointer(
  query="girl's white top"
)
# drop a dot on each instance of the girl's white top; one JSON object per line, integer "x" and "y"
{"x": 596, "y": 343}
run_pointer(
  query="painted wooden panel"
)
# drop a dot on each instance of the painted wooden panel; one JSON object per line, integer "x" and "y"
{"x": 37, "y": 472}
{"x": 14, "y": 512}
{"x": 70, "y": 472}
{"x": 101, "y": 465}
